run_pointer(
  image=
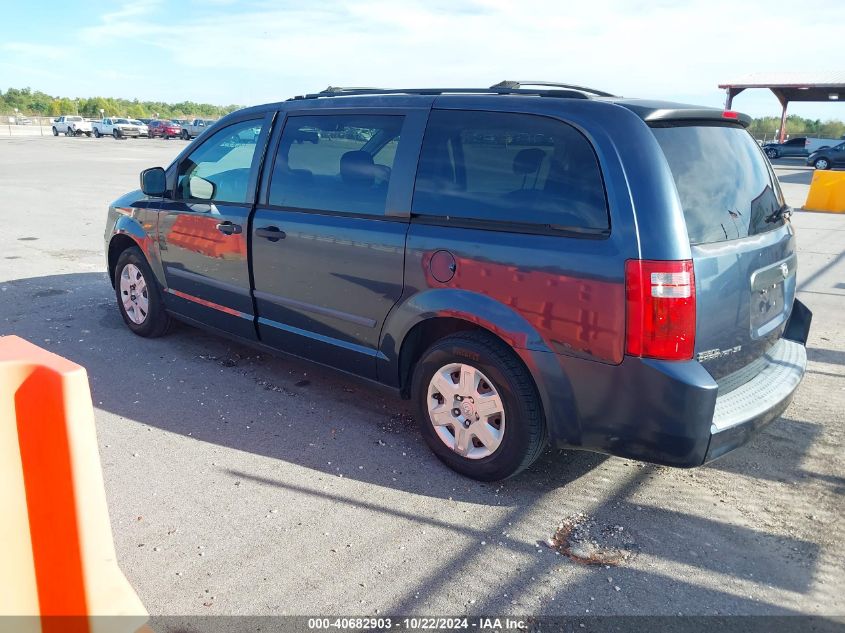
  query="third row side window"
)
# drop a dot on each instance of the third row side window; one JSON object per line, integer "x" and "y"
{"x": 507, "y": 167}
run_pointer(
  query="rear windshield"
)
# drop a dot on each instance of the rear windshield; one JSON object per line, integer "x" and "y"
{"x": 726, "y": 187}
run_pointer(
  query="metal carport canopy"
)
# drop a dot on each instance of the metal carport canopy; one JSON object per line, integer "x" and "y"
{"x": 791, "y": 87}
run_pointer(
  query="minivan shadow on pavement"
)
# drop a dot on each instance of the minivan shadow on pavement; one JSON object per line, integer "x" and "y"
{"x": 214, "y": 390}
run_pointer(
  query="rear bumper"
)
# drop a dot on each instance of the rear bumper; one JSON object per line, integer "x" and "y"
{"x": 748, "y": 408}
{"x": 671, "y": 413}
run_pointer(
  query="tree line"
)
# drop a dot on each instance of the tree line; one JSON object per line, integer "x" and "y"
{"x": 797, "y": 126}
{"x": 36, "y": 103}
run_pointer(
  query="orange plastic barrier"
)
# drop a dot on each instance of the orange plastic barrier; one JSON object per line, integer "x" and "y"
{"x": 827, "y": 192}
{"x": 56, "y": 548}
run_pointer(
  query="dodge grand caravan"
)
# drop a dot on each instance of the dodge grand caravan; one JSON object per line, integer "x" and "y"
{"x": 531, "y": 264}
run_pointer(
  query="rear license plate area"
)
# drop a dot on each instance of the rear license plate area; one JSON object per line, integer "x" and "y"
{"x": 768, "y": 309}
{"x": 767, "y": 305}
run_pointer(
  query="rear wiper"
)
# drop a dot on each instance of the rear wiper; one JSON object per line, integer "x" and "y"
{"x": 784, "y": 212}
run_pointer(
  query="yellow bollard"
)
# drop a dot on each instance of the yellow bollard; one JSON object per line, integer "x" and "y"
{"x": 827, "y": 192}
{"x": 59, "y": 571}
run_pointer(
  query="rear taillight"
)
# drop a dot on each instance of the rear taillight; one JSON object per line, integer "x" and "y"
{"x": 660, "y": 309}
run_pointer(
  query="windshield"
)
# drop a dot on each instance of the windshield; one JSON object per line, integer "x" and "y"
{"x": 726, "y": 187}
{"x": 121, "y": 121}
{"x": 74, "y": 118}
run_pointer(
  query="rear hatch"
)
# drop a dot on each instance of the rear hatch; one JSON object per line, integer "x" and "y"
{"x": 743, "y": 246}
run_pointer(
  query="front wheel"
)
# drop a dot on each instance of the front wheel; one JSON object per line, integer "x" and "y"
{"x": 772, "y": 153}
{"x": 821, "y": 163}
{"x": 477, "y": 406}
{"x": 55, "y": 131}
{"x": 115, "y": 134}
{"x": 139, "y": 297}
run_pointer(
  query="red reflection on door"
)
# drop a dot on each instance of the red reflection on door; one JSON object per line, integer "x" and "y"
{"x": 574, "y": 315}
{"x": 200, "y": 234}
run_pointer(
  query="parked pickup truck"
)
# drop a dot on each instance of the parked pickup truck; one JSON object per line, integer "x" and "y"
{"x": 116, "y": 127}
{"x": 71, "y": 126}
{"x": 195, "y": 128}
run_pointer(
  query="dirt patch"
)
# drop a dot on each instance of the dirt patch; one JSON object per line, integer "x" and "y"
{"x": 581, "y": 539}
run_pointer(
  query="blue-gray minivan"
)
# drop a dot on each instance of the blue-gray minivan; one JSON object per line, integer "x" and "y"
{"x": 531, "y": 264}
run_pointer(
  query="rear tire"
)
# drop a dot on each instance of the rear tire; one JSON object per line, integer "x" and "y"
{"x": 97, "y": 133}
{"x": 139, "y": 297}
{"x": 185, "y": 135}
{"x": 516, "y": 428}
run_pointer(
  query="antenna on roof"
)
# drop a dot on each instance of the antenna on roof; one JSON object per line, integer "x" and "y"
{"x": 515, "y": 85}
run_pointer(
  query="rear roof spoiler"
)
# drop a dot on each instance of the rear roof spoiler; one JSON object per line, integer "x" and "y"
{"x": 665, "y": 111}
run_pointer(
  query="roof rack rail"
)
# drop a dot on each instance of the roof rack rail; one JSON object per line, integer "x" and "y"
{"x": 519, "y": 84}
{"x": 342, "y": 89}
{"x": 556, "y": 91}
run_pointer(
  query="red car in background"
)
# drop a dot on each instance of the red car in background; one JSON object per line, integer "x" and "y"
{"x": 164, "y": 129}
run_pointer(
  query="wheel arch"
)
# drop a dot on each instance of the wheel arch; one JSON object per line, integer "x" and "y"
{"x": 415, "y": 326}
{"x": 126, "y": 234}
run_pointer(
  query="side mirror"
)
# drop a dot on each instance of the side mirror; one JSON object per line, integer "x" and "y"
{"x": 153, "y": 181}
{"x": 200, "y": 188}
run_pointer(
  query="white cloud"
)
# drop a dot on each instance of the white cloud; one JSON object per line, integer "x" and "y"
{"x": 666, "y": 50}
{"x": 130, "y": 11}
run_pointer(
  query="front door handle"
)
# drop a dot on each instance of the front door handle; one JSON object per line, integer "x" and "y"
{"x": 230, "y": 228}
{"x": 272, "y": 233}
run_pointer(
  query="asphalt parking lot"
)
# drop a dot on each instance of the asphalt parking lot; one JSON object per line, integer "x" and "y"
{"x": 240, "y": 483}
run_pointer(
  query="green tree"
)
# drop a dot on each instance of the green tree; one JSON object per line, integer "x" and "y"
{"x": 136, "y": 111}
{"x": 61, "y": 106}
{"x": 832, "y": 129}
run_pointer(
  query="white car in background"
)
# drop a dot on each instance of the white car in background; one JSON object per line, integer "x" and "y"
{"x": 71, "y": 125}
{"x": 118, "y": 127}
{"x": 142, "y": 127}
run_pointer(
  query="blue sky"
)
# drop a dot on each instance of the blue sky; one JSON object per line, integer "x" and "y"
{"x": 228, "y": 51}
